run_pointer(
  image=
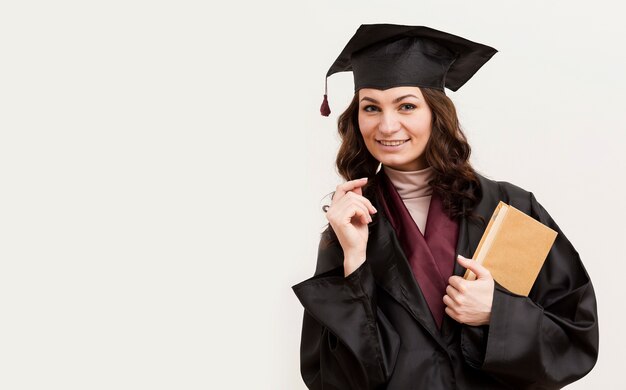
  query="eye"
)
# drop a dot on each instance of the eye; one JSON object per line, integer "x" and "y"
{"x": 410, "y": 106}
{"x": 367, "y": 108}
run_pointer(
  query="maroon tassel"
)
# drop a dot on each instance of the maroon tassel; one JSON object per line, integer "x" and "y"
{"x": 325, "y": 109}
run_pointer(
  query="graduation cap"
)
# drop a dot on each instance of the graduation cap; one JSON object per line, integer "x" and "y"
{"x": 382, "y": 56}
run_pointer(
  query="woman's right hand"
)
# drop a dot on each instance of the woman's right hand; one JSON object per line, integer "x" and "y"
{"x": 349, "y": 215}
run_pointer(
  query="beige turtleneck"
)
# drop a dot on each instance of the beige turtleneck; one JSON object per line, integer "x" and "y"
{"x": 413, "y": 188}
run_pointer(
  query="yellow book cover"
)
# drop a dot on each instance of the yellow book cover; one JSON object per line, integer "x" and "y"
{"x": 513, "y": 248}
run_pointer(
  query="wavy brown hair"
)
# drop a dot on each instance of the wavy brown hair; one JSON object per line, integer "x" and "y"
{"x": 447, "y": 151}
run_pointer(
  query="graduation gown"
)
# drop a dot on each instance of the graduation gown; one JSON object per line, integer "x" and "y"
{"x": 374, "y": 329}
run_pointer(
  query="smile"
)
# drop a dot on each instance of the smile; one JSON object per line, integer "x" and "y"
{"x": 391, "y": 143}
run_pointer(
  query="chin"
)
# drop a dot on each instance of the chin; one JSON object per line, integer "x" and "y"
{"x": 401, "y": 164}
{"x": 395, "y": 162}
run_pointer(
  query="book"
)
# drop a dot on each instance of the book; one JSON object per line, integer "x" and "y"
{"x": 513, "y": 248}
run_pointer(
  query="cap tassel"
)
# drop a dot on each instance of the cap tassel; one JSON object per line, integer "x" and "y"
{"x": 325, "y": 108}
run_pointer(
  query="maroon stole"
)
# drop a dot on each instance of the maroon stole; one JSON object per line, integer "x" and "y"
{"x": 431, "y": 255}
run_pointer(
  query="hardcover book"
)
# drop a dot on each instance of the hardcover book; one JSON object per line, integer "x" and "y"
{"x": 513, "y": 248}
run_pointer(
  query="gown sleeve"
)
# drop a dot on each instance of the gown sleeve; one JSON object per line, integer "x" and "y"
{"x": 347, "y": 342}
{"x": 548, "y": 339}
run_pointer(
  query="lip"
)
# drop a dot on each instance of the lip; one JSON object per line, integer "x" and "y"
{"x": 391, "y": 148}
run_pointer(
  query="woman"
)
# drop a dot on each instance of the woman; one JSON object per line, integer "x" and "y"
{"x": 387, "y": 307}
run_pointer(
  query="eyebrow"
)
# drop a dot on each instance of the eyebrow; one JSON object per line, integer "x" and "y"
{"x": 396, "y": 100}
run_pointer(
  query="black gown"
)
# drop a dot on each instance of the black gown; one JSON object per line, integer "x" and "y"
{"x": 373, "y": 329}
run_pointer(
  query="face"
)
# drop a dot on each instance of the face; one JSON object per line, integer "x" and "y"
{"x": 395, "y": 125}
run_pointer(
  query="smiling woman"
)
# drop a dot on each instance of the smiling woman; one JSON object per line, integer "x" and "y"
{"x": 387, "y": 307}
{"x": 395, "y": 125}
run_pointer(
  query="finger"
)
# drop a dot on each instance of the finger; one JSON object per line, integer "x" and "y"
{"x": 349, "y": 209}
{"x": 369, "y": 205}
{"x": 449, "y": 301}
{"x": 355, "y": 187}
{"x": 480, "y": 271}
{"x": 366, "y": 214}
{"x": 351, "y": 196}
{"x": 349, "y": 186}
{"x": 346, "y": 208}
{"x": 361, "y": 212}
{"x": 453, "y": 293}
{"x": 458, "y": 283}
{"x": 452, "y": 314}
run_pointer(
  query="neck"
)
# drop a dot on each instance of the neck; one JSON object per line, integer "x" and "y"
{"x": 411, "y": 184}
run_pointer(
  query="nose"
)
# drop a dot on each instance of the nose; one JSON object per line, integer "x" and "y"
{"x": 389, "y": 123}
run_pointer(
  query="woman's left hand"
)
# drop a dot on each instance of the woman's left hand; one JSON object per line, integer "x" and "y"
{"x": 469, "y": 301}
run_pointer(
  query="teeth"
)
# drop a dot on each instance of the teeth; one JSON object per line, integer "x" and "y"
{"x": 392, "y": 143}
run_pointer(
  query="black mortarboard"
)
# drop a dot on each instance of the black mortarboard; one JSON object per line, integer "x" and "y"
{"x": 382, "y": 56}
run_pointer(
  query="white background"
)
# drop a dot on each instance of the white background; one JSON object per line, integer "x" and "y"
{"x": 163, "y": 166}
